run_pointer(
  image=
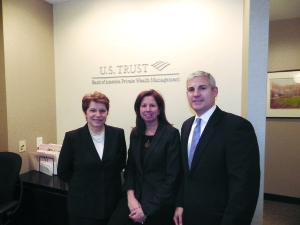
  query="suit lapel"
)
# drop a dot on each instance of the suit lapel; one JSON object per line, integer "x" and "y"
{"x": 184, "y": 139}
{"x": 107, "y": 143}
{"x": 205, "y": 137}
{"x": 88, "y": 142}
{"x": 137, "y": 151}
{"x": 160, "y": 129}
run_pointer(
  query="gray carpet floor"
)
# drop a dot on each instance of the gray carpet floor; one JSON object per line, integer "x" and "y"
{"x": 278, "y": 213}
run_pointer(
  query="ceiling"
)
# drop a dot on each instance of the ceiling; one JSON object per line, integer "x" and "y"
{"x": 279, "y": 9}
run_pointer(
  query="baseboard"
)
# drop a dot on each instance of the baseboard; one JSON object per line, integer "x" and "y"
{"x": 281, "y": 198}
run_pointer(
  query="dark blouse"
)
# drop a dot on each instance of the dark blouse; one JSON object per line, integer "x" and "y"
{"x": 145, "y": 144}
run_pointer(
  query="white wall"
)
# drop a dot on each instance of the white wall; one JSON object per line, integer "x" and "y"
{"x": 190, "y": 35}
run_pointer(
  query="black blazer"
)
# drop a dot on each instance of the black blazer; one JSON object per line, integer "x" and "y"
{"x": 222, "y": 186}
{"x": 154, "y": 183}
{"x": 94, "y": 184}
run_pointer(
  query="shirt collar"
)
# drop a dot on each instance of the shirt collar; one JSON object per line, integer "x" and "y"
{"x": 205, "y": 117}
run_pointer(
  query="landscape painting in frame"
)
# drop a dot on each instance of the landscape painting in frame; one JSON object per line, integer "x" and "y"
{"x": 283, "y": 94}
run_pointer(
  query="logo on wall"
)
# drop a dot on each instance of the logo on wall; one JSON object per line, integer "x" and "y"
{"x": 160, "y": 65}
{"x": 136, "y": 73}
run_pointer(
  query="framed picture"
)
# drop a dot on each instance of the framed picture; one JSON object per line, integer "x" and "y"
{"x": 283, "y": 94}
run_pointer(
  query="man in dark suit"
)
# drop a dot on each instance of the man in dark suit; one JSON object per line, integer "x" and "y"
{"x": 221, "y": 173}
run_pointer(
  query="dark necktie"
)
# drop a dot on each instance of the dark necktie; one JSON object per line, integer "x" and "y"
{"x": 195, "y": 139}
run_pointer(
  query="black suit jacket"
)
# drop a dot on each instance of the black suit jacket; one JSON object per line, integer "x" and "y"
{"x": 154, "y": 183}
{"x": 94, "y": 184}
{"x": 222, "y": 186}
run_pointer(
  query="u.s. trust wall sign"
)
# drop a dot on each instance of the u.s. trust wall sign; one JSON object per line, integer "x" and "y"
{"x": 136, "y": 73}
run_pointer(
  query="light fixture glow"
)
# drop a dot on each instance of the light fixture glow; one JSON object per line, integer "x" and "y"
{"x": 297, "y": 78}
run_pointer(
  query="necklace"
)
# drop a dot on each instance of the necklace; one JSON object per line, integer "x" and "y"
{"x": 147, "y": 140}
{"x": 147, "y": 144}
{"x": 98, "y": 138}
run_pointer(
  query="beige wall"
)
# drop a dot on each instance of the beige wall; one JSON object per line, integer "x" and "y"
{"x": 29, "y": 74}
{"x": 3, "y": 114}
{"x": 282, "y": 157}
{"x": 81, "y": 48}
{"x": 284, "y": 45}
{"x": 282, "y": 134}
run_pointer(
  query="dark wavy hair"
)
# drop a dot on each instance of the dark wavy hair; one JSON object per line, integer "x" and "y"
{"x": 95, "y": 97}
{"x": 140, "y": 127}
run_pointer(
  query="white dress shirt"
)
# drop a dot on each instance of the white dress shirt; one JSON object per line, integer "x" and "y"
{"x": 99, "y": 145}
{"x": 204, "y": 120}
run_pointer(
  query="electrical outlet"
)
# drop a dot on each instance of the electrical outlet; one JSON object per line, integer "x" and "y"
{"x": 22, "y": 146}
{"x": 39, "y": 141}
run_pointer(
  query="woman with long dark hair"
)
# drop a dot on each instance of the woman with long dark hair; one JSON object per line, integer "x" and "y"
{"x": 152, "y": 167}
